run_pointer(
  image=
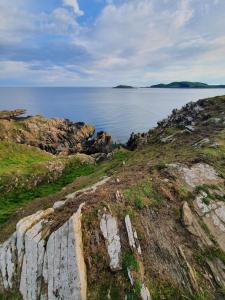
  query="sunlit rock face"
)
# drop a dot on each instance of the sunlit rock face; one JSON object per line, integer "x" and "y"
{"x": 45, "y": 265}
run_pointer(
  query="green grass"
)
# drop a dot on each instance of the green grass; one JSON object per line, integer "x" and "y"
{"x": 143, "y": 194}
{"x": 129, "y": 262}
{"x": 21, "y": 159}
{"x": 10, "y": 202}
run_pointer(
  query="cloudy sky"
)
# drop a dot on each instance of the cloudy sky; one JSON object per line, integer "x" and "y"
{"x": 106, "y": 42}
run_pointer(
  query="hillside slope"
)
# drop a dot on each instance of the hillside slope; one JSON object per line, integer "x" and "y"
{"x": 187, "y": 84}
{"x": 153, "y": 228}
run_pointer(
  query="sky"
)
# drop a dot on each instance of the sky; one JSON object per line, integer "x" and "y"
{"x": 110, "y": 42}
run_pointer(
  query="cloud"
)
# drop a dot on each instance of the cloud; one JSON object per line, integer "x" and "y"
{"x": 75, "y": 6}
{"x": 130, "y": 41}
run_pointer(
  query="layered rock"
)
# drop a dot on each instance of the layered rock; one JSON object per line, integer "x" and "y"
{"x": 54, "y": 135}
{"x": 44, "y": 264}
{"x": 110, "y": 231}
{"x": 196, "y": 175}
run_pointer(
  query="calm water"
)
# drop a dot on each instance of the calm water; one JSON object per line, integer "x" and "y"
{"x": 118, "y": 111}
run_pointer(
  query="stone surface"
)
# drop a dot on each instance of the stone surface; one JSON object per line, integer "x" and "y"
{"x": 145, "y": 295}
{"x": 8, "y": 262}
{"x": 64, "y": 267}
{"x": 45, "y": 265}
{"x": 54, "y": 135}
{"x": 101, "y": 144}
{"x": 31, "y": 273}
{"x": 197, "y": 174}
{"x": 110, "y": 231}
{"x": 191, "y": 223}
{"x": 58, "y": 204}
{"x": 132, "y": 236}
{"x": 213, "y": 216}
{"x": 88, "y": 190}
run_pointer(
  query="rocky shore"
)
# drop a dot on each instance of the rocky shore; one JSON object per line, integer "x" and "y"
{"x": 54, "y": 135}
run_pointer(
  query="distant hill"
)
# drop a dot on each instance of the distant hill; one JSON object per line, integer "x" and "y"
{"x": 187, "y": 84}
{"x": 122, "y": 86}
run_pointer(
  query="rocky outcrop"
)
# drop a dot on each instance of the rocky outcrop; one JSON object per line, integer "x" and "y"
{"x": 13, "y": 114}
{"x": 110, "y": 231}
{"x": 196, "y": 175}
{"x": 44, "y": 264}
{"x": 132, "y": 236}
{"x": 137, "y": 140}
{"x": 189, "y": 119}
{"x": 101, "y": 144}
{"x": 54, "y": 135}
{"x": 213, "y": 215}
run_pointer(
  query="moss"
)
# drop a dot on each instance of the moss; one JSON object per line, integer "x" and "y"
{"x": 129, "y": 262}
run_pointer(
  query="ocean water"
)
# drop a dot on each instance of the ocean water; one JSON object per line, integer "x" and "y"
{"x": 118, "y": 111}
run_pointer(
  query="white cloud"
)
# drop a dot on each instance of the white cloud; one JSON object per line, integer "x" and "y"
{"x": 75, "y": 6}
{"x": 130, "y": 41}
{"x": 183, "y": 13}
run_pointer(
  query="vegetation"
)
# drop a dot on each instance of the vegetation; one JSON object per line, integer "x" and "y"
{"x": 28, "y": 159}
{"x": 187, "y": 84}
{"x": 143, "y": 194}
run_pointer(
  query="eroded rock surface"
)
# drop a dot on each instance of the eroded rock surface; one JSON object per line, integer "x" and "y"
{"x": 196, "y": 175}
{"x": 213, "y": 215}
{"x": 132, "y": 235}
{"x": 110, "y": 231}
{"x": 45, "y": 265}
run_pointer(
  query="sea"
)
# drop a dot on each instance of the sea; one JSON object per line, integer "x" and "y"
{"x": 117, "y": 111}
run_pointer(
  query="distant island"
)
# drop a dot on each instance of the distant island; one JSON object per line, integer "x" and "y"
{"x": 122, "y": 86}
{"x": 187, "y": 84}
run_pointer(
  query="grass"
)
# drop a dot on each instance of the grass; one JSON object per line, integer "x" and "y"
{"x": 10, "y": 202}
{"x": 142, "y": 195}
{"x": 210, "y": 253}
{"x": 21, "y": 159}
{"x": 129, "y": 262}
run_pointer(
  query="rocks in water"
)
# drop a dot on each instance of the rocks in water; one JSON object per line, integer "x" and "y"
{"x": 101, "y": 144}
{"x": 197, "y": 174}
{"x": 44, "y": 264}
{"x": 110, "y": 231}
{"x": 132, "y": 236}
